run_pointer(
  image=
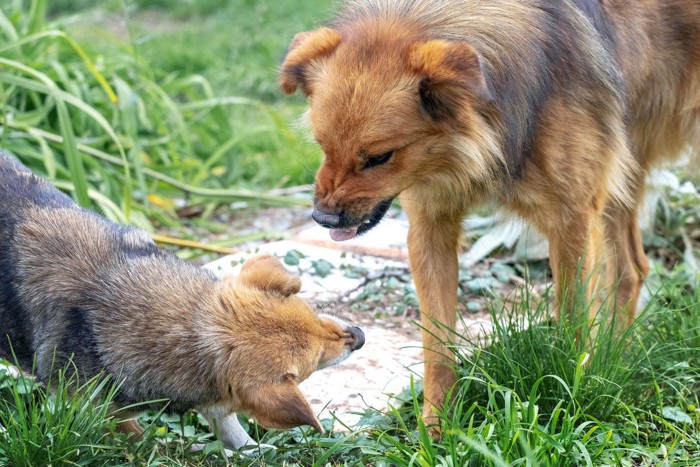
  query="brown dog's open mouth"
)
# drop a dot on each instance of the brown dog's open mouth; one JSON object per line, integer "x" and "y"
{"x": 340, "y": 234}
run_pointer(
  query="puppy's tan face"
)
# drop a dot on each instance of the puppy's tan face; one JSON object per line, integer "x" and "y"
{"x": 384, "y": 106}
{"x": 279, "y": 342}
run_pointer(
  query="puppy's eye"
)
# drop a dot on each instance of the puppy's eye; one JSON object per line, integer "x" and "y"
{"x": 378, "y": 160}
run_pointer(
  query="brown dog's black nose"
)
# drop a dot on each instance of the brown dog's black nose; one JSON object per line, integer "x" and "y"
{"x": 359, "y": 337}
{"x": 326, "y": 219}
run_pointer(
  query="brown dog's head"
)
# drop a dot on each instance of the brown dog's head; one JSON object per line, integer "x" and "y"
{"x": 391, "y": 110}
{"x": 273, "y": 340}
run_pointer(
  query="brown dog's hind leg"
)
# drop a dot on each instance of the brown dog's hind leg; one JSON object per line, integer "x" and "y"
{"x": 576, "y": 252}
{"x": 433, "y": 243}
{"x": 630, "y": 262}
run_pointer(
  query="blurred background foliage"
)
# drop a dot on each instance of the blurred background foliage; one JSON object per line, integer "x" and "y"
{"x": 139, "y": 108}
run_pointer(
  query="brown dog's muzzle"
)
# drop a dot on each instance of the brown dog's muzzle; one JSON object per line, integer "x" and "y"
{"x": 345, "y": 224}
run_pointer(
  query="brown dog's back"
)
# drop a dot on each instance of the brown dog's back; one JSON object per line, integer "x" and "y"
{"x": 657, "y": 46}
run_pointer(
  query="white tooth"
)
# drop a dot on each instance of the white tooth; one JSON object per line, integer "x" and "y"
{"x": 366, "y": 221}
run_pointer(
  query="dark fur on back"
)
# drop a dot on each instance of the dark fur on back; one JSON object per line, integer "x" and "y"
{"x": 19, "y": 188}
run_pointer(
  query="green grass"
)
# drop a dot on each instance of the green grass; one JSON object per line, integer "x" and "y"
{"x": 67, "y": 427}
{"x": 550, "y": 395}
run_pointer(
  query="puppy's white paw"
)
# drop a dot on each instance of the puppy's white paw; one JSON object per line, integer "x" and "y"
{"x": 196, "y": 447}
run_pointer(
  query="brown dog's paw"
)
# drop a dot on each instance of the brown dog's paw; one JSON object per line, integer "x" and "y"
{"x": 266, "y": 272}
{"x": 431, "y": 420}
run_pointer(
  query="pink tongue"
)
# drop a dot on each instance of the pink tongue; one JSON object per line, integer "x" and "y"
{"x": 340, "y": 235}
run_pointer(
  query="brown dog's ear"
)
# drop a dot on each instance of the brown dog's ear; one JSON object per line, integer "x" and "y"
{"x": 280, "y": 405}
{"x": 448, "y": 69}
{"x": 265, "y": 272}
{"x": 305, "y": 47}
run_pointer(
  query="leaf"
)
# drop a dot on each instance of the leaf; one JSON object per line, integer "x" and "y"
{"x": 676, "y": 414}
{"x": 214, "y": 446}
{"x": 188, "y": 431}
{"x": 170, "y": 417}
{"x": 322, "y": 268}
{"x": 25, "y": 386}
{"x": 292, "y": 257}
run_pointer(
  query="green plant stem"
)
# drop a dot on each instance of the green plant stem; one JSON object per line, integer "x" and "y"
{"x": 216, "y": 193}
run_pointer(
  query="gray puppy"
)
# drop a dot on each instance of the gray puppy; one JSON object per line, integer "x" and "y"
{"x": 75, "y": 286}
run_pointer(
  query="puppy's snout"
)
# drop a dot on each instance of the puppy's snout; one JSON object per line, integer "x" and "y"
{"x": 326, "y": 219}
{"x": 358, "y": 338}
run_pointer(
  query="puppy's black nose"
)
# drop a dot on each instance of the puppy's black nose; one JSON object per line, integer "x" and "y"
{"x": 359, "y": 337}
{"x": 326, "y": 219}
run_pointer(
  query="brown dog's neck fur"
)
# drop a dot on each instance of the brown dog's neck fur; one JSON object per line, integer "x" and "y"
{"x": 517, "y": 90}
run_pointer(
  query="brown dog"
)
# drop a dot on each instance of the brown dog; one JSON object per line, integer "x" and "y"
{"x": 76, "y": 286}
{"x": 553, "y": 110}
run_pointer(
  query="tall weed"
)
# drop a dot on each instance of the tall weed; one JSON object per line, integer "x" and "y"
{"x": 65, "y": 425}
{"x": 110, "y": 124}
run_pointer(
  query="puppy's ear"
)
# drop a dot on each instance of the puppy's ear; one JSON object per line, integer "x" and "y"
{"x": 448, "y": 71}
{"x": 280, "y": 405}
{"x": 265, "y": 272}
{"x": 304, "y": 48}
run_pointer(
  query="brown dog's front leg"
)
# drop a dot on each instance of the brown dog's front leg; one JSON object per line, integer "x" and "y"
{"x": 433, "y": 243}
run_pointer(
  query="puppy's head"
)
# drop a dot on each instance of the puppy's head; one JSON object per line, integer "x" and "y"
{"x": 390, "y": 109}
{"x": 274, "y": 340}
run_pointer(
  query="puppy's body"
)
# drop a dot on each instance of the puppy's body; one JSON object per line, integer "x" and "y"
{"x": 74, "y": 285}
{"x": 65, "y": 266}
{"x": 553, "y": 110}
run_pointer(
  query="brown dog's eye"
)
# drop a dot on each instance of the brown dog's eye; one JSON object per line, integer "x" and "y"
{"x": 378, "y": 160}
